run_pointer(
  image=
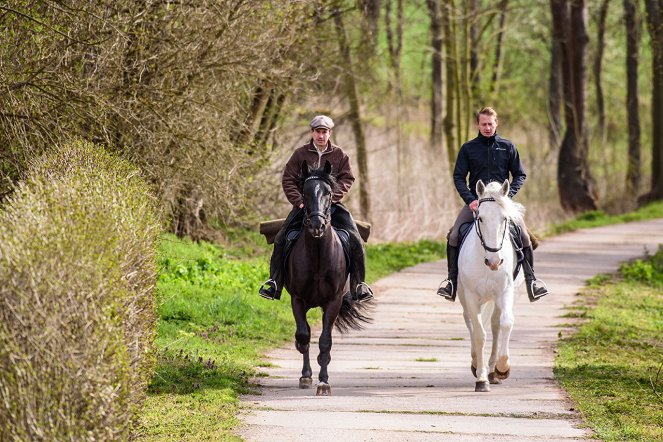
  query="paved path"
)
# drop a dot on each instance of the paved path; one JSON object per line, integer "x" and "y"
{"x": 407, "y": 378}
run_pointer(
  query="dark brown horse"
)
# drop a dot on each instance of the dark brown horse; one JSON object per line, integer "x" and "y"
{"x": 317, "y": 276}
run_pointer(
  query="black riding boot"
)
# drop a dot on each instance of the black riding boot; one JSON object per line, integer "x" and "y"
{"x": 533, "y": 292}
{"x": 359, "y": 290}
{"x": 449, "y": 291}
{"x": 271, "y": 289}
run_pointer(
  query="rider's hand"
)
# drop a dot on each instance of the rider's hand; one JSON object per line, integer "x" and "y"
{"x": 301, "y": 205}
{"x": 474, "y": 205}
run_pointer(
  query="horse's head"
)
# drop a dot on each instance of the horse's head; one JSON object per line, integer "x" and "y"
{"x": 317, "y": 187}
{"x": 495, "y": 211}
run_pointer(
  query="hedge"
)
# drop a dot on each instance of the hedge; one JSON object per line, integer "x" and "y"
{"x": 77, "y": 316}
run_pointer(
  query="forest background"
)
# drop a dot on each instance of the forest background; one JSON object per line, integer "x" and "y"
{"x": 210, "y": 98}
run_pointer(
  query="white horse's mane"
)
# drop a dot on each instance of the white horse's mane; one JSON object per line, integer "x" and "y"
{"x": 511, "y": 209}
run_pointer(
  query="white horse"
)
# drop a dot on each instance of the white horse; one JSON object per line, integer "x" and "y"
{"x": 486, "y": 286}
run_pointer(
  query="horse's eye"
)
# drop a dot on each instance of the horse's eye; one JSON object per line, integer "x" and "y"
{"x": 480, "y": 219}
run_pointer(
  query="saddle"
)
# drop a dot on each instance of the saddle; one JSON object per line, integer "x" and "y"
{"x": 516, "y": 241}
{"x": 292, "y": 235}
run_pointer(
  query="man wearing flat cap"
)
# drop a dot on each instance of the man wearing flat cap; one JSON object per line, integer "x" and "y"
{"x": 318, "y": 150}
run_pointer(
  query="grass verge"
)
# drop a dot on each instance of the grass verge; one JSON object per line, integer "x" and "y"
{"x": 214, "y": 329}
{"x": 612, "y": 366}
{"x": 597, "y": 218}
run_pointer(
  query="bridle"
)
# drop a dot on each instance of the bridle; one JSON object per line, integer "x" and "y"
{"x": 323, "y": 214}
{"x": 478, "y": 228}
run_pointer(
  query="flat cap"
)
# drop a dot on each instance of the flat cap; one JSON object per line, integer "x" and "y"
{"x": 322, "y": 121}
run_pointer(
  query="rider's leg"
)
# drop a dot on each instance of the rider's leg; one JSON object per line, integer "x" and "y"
{"x": 535, "y": 289}
{"x": 271, "y": 289}
{"x": 342, "y": 219}
{"x": 448, "y": 290}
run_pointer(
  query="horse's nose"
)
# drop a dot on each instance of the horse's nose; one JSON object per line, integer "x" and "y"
{"x": 317, "y": 226}
{"x": 493, "y": 264}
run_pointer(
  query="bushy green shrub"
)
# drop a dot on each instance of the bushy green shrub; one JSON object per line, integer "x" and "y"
{"x": 77, "y": 318}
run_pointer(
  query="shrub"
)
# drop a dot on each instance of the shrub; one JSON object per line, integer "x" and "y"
{"x": 77, "y": 320}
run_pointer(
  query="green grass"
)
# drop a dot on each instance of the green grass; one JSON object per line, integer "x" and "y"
{"x": 214, "y": 329}
{"x": 597, "y": 218}
{"x": 612, "y": 366}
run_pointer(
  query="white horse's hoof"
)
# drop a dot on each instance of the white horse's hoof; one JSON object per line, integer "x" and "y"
{"x": 502, "y": 375}
{"x": 493, "y": 378}
{"x": 305, "y": 382}
{"x": 482, "y": 386}
{"x": 324, "y": 389}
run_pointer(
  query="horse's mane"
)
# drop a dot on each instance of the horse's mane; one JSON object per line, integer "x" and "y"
{"x": 512, "y": 210}
{"x": 324, "y": 176}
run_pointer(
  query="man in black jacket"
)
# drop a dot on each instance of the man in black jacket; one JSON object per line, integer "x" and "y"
{"x": 488, "y": 157}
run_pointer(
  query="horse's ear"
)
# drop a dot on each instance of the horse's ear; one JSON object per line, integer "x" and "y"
{"x": 481, "y": 187}
{"x": 304, "y": 169}
{"x": 328, "y": 167}
{"x": 505, "y": 188}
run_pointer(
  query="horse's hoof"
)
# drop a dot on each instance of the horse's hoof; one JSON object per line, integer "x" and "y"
{"x": 502, "y": 375}
{"x": 493, "y": 378}
{"x": 482, "y": 386}
{"x": 474, "y": 370}
{"x": 305, "y": 382}
{"x": 324, "y": 389}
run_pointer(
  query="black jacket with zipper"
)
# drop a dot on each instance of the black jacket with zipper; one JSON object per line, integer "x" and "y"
{"x": 489, "y": 159}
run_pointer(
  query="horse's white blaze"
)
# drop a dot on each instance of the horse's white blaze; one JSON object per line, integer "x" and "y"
{"x": 485, "y": 279}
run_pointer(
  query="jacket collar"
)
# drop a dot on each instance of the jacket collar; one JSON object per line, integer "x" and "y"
{"x": 328, "y": 149}
{"x": 487, "y": 140}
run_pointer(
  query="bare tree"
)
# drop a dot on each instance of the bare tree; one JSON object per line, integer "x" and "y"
{"x": 350, "y": 88}
{"x": 574, "y": 180}
{"x": 452, "y": 80}
{"x": 497, "y": 63}
{"x": 598, "y": 61}
{"x": 555, "y": 91}
{"x": 632, "y": 23}
{"x": 655, "y": 26}
{"x": 436, "y": 74}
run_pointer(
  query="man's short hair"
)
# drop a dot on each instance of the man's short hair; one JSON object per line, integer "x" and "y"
{"x": 487, "y": 111}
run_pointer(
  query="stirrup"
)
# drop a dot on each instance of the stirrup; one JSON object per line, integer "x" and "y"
{"x": 367, "y": 294}
{"x": 530, "y": 290}
{"x": 443, "y": 293}
{"x": 270, "y": 291}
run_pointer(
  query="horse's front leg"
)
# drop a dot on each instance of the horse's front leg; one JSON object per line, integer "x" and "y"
{"x": 495, "y": 329}
{"x": 505, "y": 306}
{"x": 468, "y": 323}
{"x": 302, "y": 340}
{"x": 325, "y": 342}
{"x": 478, "y": 337}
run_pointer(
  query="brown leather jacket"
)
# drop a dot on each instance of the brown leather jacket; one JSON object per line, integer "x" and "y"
{"x": 340, "y": 169}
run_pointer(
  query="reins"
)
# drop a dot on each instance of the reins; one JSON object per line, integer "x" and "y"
{"x": 478, "y": 229}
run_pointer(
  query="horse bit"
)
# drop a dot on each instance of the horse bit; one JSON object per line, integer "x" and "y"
{"x": 478, "y": 229}
{"x": 307, "y": 216}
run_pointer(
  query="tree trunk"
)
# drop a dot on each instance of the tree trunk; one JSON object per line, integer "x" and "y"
{"x": 475, "y": 71}
{"x": 354, "y": 116}
{"x": 598, "y": 61}
{"x": 555, "y": 94}
{"x": 574, "y": 180}
{"x": 451, "y": 70}
{"x": 436, "y": 80}
{"x": 370, "y": 10}
{"x": 494, "y": 84}
{"x": 632, "y": 23}
{"x": 655, "y": 26}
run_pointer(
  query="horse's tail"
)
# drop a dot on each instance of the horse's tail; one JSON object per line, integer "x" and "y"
{"x": 354, "y": 315}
